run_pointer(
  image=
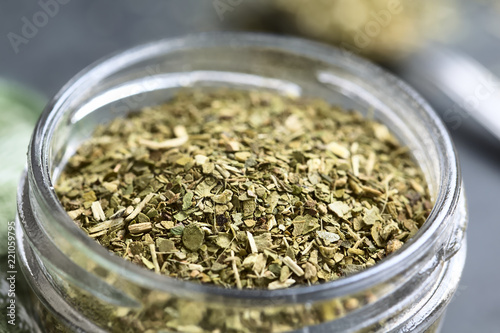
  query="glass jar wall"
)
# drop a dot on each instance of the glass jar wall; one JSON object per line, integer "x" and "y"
{"x": 80, "y": 286}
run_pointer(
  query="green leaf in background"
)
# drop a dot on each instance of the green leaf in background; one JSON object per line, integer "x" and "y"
{"x": 19, "y": 111}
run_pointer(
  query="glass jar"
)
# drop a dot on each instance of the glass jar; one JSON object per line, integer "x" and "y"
{"x": 20, "y": 107}
{"x": 81, "y": 286}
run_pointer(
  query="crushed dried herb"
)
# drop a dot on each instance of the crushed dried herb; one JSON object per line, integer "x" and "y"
{"x": 246, "y": 189}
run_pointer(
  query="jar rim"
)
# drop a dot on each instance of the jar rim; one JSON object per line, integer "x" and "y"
{"x": 39, "y": 165}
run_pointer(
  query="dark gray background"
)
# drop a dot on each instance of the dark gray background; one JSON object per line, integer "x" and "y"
{"x": 83, "y": 31}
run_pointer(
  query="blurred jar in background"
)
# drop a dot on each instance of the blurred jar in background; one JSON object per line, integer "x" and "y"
{"x": 383, "y": 30}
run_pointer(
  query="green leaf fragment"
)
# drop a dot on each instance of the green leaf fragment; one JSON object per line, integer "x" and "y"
{"x": 193, "y": 237}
